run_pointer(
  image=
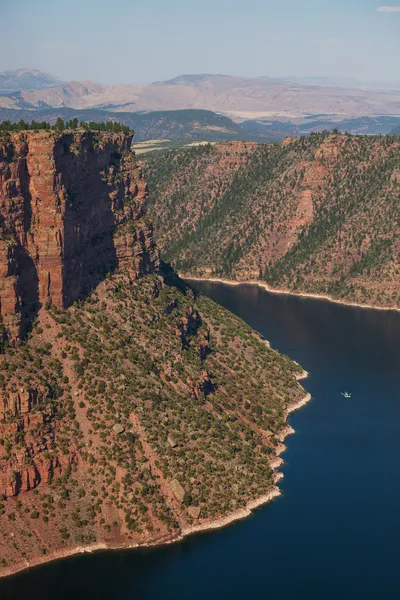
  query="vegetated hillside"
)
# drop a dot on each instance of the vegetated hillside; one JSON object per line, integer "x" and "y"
{"x": 187, "y": 125}
{"x": 180, "y": 127}
{"x": 318, "y": 123}
{"x": 317, "y": 214}
{"x": 130, "y": 407}
{"x": 183, "y": 125}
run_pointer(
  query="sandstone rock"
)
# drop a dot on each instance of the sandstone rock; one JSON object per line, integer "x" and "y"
{"x": 20, "y": 476}
{"x": 178, "y": 490}
{"x": 20, "y": 402}
{"x": 194, "y": 512}
{"x": 60, "y": 234}
{"x": 118, "y": 429}
{"x": 171, "y": 441}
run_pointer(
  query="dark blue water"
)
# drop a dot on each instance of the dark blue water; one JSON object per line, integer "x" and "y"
{"x": 335, "y": 532}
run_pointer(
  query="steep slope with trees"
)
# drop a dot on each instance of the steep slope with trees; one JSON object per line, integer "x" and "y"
{"x": 318, "y": 214}
{"x": 131, "y": 408}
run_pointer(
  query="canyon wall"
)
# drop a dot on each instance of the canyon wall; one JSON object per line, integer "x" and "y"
{"x": 71, "y": 209}
{"x": 317, "y": 214}
{"x": 138, "y": 412}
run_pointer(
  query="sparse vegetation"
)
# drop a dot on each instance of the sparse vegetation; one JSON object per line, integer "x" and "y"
{"x": 140, "y": 406}
{"x": 163, "y": 364}
{"x": 317, "y": 214}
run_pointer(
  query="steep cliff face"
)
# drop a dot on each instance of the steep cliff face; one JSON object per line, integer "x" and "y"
{"x": 71, "y": 209}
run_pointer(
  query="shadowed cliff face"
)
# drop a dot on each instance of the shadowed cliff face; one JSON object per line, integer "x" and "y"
{"x": 71, "y": 210}
{"x": 72, "y": 207}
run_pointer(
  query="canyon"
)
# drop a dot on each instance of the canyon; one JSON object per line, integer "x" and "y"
{"x": 127, "y": 413}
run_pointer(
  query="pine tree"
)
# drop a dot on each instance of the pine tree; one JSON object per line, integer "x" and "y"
{"x": 59, "y": 124}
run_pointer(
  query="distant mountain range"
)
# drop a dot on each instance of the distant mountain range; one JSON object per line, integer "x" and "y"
{"x": 240, "y": 98}
{"x": 26, "y": 79}
{"x": 344, "y": 82}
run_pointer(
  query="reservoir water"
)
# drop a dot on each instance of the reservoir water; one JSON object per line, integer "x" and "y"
{"x": 335, "y": 531}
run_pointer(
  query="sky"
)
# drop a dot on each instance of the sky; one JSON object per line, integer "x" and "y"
{"x": 127, "y": 41}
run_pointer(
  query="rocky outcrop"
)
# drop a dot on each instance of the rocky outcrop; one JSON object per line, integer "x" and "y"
{"x": 194, "y": 512}
{"x": 18, "y": 476}
{"x": 71, "y": 209}
{"x": 26, "y": 418}
{"x": 178, "y": 490}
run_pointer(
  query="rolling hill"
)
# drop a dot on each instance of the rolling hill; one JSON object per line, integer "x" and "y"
{"x": 182, "y": 125}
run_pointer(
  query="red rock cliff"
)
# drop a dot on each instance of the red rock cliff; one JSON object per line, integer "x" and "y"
{"x": 71, "y": 209}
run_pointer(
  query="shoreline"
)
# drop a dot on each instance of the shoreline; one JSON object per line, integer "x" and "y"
{"x": 237, "y": 515}
{"x": 286, "y": 292}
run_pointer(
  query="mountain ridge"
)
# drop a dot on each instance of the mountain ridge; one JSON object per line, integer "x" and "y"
{"x": 237, "y": 97}
{"x": 317, "y": 214}
{"x": 26, "y": 79}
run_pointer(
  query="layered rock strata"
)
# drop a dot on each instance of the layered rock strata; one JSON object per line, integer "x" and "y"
{"x": 71, "y": 209}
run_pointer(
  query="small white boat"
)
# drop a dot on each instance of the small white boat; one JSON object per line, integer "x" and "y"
{"x": 346, "y": 394}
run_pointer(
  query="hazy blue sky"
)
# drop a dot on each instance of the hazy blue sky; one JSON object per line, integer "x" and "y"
{"x": 127, "y": 41}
